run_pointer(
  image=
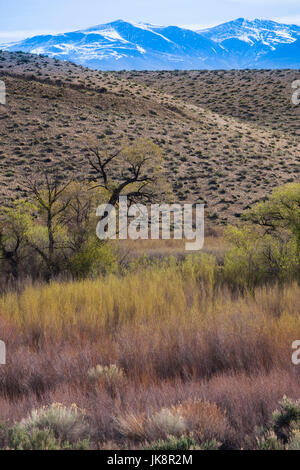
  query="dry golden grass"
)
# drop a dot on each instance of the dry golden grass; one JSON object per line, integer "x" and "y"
{"x": 194, "y": 359}
{"x": 164, "y": 301}
{"x": 130, "y": 249}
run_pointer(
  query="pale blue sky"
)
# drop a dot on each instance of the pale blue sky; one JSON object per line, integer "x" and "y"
{"x": 22, "y": 18}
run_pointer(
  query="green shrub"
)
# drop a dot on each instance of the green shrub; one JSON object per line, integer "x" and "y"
{"x": 284, "y": 433}
{"x": 40, "y": 439}
{"x": 173, "y": 443}
{"x": 93, "y": 259}
{"x": 182, "y": 443}
{"x": 35, "y": 439}
{"x": 255, "y": 258}
{"x": 286, "y": 419}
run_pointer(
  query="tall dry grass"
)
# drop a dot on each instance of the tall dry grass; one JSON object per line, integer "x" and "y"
{"x": 177, "y": 337}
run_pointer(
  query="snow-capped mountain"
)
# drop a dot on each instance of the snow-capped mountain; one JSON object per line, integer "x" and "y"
{"x": 249, "y": 41}
{"x": 268, "y": 33}
{"x": 125, "y": 45}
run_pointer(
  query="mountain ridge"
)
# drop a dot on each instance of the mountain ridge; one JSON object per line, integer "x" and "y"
{"x": 126, "y": 45}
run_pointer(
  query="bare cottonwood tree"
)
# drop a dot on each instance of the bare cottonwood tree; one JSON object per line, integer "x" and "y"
{"x": 134, "y": 171}
{"x": 48, "y": 192}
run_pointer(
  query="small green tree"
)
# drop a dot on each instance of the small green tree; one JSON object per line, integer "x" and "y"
{"x": 49, "y": 238}
{"x": 266, "y": 246}
{"x": 15, "y": 221}
{"x": 280, "y": 212}
{"x": 64, "y": 234}
{"x": 257, "y": 257}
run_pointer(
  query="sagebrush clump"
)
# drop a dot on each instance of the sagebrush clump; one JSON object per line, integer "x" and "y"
{"x": 66, "y": 423}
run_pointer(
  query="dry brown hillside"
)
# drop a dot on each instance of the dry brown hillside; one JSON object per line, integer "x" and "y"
{"x": 54, "y": 108}
{"x": 260, "y": 96}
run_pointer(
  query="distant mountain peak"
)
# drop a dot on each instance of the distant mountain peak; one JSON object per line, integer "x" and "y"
{"x": 266, "y": 32}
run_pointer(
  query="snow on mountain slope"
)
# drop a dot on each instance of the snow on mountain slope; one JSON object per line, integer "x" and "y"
{"x": 125, "y": 45}
{"x": 249, "y": 41}
{"x": 268, "y": 33}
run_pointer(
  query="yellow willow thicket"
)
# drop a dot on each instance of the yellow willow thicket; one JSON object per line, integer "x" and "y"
{"x": 157, "y": 301}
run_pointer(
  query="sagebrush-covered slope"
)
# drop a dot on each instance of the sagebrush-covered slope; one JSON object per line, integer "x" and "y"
{"x": 55, "y": 108}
